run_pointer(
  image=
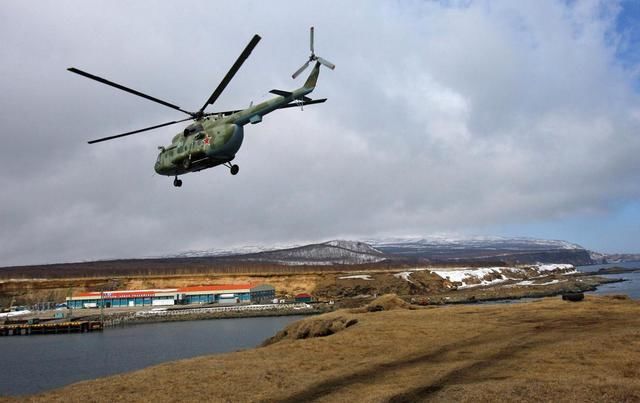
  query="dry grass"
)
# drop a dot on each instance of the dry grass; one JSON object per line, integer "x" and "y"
{"x": 548, "y": 350}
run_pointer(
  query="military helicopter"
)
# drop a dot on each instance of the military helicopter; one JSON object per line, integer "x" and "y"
{"x": 214, "y": 138}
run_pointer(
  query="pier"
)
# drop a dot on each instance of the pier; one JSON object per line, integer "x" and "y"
{"x": 25, "y": 329}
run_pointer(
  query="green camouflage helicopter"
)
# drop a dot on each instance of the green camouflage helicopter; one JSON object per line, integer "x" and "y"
{"x": 214, "y": 138}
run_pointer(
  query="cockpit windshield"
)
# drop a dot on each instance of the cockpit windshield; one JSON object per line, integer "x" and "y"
{"x": 192, "y": 129}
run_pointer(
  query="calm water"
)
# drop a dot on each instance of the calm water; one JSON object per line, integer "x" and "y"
{"x": 631, "y": 287}
{"x": 37, "y": 363}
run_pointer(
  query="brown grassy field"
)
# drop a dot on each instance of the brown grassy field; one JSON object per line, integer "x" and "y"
{"x": 549, "y": 350}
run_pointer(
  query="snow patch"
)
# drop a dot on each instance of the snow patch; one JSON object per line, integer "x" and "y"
{"x": 555, "y": 267}
{"x": 357, "y": 276}
{"x": 405, "y": 275}
{"x": 531, "y": 283}
{"x": 355, "y": 246}
{"x": 471, "y": 276}
{"x": 14, "y": 313}
{"x": 483, "y": 276}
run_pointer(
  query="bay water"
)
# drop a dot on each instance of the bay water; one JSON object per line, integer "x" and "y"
{"x": 33, "y": 364}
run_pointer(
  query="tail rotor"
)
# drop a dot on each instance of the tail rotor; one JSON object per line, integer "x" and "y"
{"x": 313, "y": 58}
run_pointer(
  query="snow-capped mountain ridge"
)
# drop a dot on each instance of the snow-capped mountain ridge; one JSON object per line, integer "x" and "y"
{"x": 233, "y": 251}
{"x": 486, "y": 249}
{"x": 476, "y": 241}
{"x": 355, "y": 246}
{"x": 331, "y": 252}
{"x": 424, "y": 249}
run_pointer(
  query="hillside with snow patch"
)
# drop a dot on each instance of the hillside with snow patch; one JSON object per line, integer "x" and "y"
{"x": 332, "y": 252}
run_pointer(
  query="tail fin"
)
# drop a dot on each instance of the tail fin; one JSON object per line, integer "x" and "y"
{"x": 313, "y": 77}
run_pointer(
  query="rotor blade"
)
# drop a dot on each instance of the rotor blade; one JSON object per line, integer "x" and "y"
{"x": 311, "y": 39}
{"x": 294, "y": 104}
{"x": 301, "y": 69}
{"x": 232, "y": 72}
{"x": 326, "y": 63}
{"x": 129, "y": 90}
{"x": 137, "y": 131}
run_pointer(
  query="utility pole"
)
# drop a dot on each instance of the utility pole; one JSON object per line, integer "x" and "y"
{"x": 69, "y": 305}
{"x": 102, "y": 307}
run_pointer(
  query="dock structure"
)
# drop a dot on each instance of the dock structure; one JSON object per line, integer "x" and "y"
{"x": 25, "y": 329}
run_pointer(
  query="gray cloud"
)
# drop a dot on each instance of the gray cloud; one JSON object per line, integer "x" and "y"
{"x": 440, "y": 118}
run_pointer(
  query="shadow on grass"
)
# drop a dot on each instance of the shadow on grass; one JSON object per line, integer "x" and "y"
{"x": 459, "y": 375}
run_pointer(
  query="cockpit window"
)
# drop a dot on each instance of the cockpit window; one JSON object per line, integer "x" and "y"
{"x": 200, "y": 136}
{"x": 194, "y": 128}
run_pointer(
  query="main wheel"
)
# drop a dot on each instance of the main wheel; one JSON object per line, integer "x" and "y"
{"x": 234, "y": 169}
{"x": 177, "y": 182}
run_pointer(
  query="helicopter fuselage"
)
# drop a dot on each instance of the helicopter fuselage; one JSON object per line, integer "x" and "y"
{"x": 204, "y": 144}
{"x": 215, "y": 140}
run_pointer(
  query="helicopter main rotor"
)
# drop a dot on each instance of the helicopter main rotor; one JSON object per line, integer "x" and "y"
{"x": 193, "y": 115}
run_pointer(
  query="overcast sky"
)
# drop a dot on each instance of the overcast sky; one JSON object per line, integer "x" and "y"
{"x": 454, "y": 117}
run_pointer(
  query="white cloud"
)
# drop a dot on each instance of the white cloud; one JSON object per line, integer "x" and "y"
{"x": 440, "y": 118}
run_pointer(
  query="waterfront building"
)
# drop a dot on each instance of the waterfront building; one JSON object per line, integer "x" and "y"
{"x": 206, "y": 294}
{"x": 304, "y": 297}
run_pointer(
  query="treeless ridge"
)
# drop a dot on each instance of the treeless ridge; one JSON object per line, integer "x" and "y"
{"x": 550, "y": 350}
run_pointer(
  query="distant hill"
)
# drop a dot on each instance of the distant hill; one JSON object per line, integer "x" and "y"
{"x": 605, "y": 258}
{"x": 420, "y": 250}
{"x": 507, "y": 250}
{"x": 375, "y": 253}
{"x": 327, "y": 253}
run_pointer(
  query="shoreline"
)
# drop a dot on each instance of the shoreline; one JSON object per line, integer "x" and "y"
{"x": 404, "y": 353}
{"x": 139, "y": 320}
{"x": 510, "y": 291}
{"x": 480, "y": 295}
{"x": 457, "y": 297}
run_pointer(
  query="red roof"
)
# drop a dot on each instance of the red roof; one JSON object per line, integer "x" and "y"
{"x": 123, "y": 293}
{"x": 151, "y": 293}
{"x": 303, "y": 295}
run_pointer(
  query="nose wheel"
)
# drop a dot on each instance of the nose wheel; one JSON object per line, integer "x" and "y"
{"x": 177, "y": 182}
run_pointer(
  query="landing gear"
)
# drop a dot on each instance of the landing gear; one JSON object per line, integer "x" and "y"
{"x": 233, "y": 168}
{"x": 177, "y": 182}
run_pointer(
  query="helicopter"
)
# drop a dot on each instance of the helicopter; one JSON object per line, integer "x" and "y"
{"x": 214, "y": 138}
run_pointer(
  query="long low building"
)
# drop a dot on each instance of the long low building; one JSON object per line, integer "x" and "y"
{"x": 206, "y": 294}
